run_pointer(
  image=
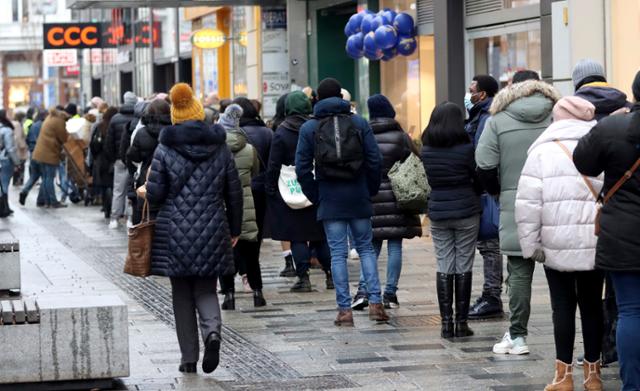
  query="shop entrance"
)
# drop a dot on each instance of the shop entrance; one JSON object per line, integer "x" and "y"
{"x": 126, "y": 82}
{"x": 96, "y": 87}
{"x": 163, "y": 77}
{"x": 332, "y": 58}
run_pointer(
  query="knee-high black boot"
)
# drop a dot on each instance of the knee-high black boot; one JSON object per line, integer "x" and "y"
{"x": 463, "y": 297}
{"x": 444, "y": 285}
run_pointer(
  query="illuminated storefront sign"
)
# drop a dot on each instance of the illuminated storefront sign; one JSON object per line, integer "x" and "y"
{"x": 208, "y": 39}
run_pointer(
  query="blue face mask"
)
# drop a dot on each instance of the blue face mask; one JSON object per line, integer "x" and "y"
{"x": 467, "y": 101}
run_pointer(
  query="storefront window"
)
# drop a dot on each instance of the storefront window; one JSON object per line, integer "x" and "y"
{"x": 400, "y": 78}
{"x": 210, "y": 60}
{"x": 503, "y": 55}
{"x": 239, "y": 27}
{"x": 519, "y": 3}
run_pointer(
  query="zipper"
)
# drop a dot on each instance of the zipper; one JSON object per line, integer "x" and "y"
{"x": 336, "y": 135}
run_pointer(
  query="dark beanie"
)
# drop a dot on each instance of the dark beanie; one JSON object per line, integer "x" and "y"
{"x": 329, "y": 88}
{"x": 635, "y": 87}
{"x": 71, "y": 109}
{"x": 380, "y": 107}
{"x": 297, "y": 102}
{"x": 487, "y": 84}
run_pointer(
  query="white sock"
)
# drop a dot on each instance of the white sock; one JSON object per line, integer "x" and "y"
{"x": 286, "y": 253}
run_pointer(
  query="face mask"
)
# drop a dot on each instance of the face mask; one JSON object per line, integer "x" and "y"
{"x": 467, "y": 101}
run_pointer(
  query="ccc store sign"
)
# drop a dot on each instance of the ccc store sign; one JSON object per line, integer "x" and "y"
{"x": 71, "y": 35}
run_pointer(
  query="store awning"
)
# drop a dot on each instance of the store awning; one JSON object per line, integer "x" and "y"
{"x": 86, "y": 4}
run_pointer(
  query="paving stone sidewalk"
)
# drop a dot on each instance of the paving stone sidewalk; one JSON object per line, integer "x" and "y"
{"x": 291, "y": 344}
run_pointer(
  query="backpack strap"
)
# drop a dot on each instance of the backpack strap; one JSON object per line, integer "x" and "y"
{"x": 584, "y": 178}
{"x": 627, "y": 175}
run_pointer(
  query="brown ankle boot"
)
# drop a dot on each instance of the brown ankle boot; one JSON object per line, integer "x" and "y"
{"x": 377, "y": 313}
{"x": 592, "y": 381}
{"x": 344, "y": 319}
{"x": 563, "y": 381}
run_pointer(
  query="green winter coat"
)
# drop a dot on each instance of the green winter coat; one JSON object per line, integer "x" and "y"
{"x": 247, "y": 165}
{"x": 520, "y": 113}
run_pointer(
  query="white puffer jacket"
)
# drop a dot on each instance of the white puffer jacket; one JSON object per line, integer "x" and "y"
{"x": 555, "y": 210}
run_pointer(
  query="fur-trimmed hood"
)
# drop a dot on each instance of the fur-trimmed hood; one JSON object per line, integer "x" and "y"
{"x": 540, "y": 96}
{"x": 55, "y": 113}
{"x": 194, "y": 140}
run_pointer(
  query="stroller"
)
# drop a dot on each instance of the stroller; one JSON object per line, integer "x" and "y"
{"x": 76, "y": 181}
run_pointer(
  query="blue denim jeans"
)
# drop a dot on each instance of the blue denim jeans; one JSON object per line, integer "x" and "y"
{"x": 336, "y": 231}
{"x": 48, "y": 177}
{"x": 394, "y": 266}
{"x": 35, "y": 173}
{"x": 627, "y": 287}
{"x": 6, "y": 173}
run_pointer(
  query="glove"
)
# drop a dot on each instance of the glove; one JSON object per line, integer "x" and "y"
{"x": 538, "y": 256}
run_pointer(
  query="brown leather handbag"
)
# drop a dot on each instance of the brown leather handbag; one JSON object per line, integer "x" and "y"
{"x": 138, "y": 262}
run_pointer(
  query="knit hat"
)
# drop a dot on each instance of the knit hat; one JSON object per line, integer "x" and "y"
{"x": 380, "y": 107}
{"x": 573, "y": 107}
{"x": 184, "y": 106}
{"x": 71, "y": 109}
{"x": 329, "y": 88}
{"x": 635, "y": 87}
{"x": 96, "y": 101}
{"x": 297, "y": 103}
{"x": 230, "y": 119}
{"x": 129, "y": 98}
{"x": 586, "y": 68}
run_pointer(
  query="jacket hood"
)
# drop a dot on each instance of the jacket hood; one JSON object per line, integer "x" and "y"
{"x": 236, "y": 140}
{"x": 294, "y": 122}
{"x": 331, "y": 106}
{"x": 566, "y": 129}
{"x": 381, "y": 125}
{"x": 155, "y": 128}
{"x": 605, "y": 99}
{"x": 55, "y": 113}
{"x": 194, "y": 140}
{"x": 127, "y": 109}
{"x": 530, "y": 101}
{"x": 139, "y": 108}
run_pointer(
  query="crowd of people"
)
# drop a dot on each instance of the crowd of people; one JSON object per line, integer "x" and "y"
{"x": 519, "y": 171}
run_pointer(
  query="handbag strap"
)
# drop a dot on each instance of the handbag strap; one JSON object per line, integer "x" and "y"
{"x": 627, "y": 175}
{"x": 584, "y": 178}
{"x": 146, "y": 214}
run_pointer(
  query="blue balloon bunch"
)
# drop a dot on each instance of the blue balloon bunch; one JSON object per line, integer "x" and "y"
{"x": 380, "y": 36}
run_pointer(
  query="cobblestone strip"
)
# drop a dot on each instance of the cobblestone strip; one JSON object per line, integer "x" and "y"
{"x": 247, "y": 361}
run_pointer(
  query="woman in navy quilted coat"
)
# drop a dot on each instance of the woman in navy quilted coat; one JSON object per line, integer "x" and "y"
{"x": 195, "y": 186}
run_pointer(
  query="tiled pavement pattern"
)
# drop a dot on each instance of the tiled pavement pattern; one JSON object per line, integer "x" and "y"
{"x": 291, "y": 344}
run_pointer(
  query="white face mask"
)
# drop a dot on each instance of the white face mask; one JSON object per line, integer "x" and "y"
{"x": 467, "y": 101}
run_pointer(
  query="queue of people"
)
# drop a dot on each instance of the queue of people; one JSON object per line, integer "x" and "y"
{"x": 516, "y": 172}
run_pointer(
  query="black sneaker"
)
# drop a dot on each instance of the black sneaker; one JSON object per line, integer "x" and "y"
{"x": 360, "y": 301}
{"x": 23, "y": 198}
{"x": 390, "y": 300}
{"x": 329, "y": 281}
{"x": 486, "y": 308}
{"x": 188, "y": 367}
{"x": 289, "y": 270}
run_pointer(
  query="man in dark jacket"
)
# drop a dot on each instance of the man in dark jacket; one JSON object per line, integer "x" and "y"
{"x": 612, "y": 146}
{"x": 591, "y": 84}
{"x": 118, "y": 126}
{"x": 479, "y": 98}
{"x": 343, "y": 204}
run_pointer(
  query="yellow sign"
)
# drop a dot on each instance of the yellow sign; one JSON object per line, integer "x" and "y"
{"x": 243, "y": 38}
{"x": 208, "y": 39}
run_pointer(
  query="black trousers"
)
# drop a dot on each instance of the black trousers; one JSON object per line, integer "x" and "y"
{"x": 301, "y": 252}
{"x": 246, "y": 256}
{"x": 568, "y": 290}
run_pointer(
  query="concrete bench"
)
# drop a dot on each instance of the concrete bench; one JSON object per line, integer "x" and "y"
{"x": 63, "y": 339}
{"x": 9, "y": 261}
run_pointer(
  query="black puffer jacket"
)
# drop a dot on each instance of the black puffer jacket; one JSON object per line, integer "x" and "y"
{"x": 144, "y": 144}
{"x": 389, "y": 222}
{"x": 259, "y": 137}
{"x": 606, "y": 99}
{"x": 454, "y": 186}
{"x": 119, "y": 124}
{"x": 612, "y": 146}
{"x": 125, "y": 140}
{"x": 195, "y": 183}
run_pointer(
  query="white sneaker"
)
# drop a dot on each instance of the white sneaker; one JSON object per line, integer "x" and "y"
{"x": 129, "y": 223}
{"x": 353, "y": 254}
{"x": 245, "y": 284}
{"x": 113, "y": 224}
{"x": 511, "y": 346}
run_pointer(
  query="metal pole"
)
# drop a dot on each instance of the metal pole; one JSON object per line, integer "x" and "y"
{"x": 134, "y": 72}
{"x": 152, "y": 56}
{"x": 177, "y": 64}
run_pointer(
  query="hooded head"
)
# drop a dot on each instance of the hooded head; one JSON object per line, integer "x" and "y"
{"x": 587, "y": 71}
{"x": 329, "y": 88}
{"x": 71, "y": 109}
{"x": 129, "y": 98}
{"x": 573, "y": 107}
{"x": 380, "y": 107}
{"x": 157, "y": 112}
{"x": 184, "y": 105}
{"x": 230, "y": 119}
{"x": 297, "y": 103}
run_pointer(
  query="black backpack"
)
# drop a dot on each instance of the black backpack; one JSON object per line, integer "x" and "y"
{"x": 339, "y": 152}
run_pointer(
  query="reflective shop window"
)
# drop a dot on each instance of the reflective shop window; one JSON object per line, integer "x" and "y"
{"x": 503, "y": 55}
{"x": 519, "y": 3}
{"x": 239, "y": 26}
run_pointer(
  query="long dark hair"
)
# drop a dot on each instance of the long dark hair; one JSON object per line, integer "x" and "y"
{"x": 4, "y": 120}
{"x": 280, "y": 113}
{"x": 446, "y": 127}
{"x": 103, "y": 126}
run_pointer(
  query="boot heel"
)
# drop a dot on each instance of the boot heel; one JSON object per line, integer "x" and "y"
{"x": 229, "y": 303}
